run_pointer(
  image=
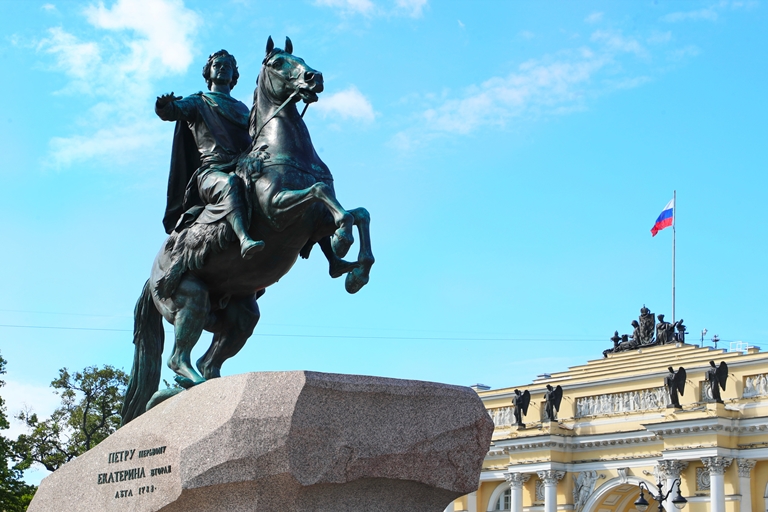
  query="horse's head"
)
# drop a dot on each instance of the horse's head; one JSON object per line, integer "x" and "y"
{"x": 284, "y": 75}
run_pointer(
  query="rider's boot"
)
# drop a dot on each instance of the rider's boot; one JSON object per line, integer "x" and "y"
{"x": 248, "y": 246}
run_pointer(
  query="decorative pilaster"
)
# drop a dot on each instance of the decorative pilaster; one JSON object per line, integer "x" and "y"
{"x": 745, "y": 467}
{"x": 670, "y": 470}
{"x": 550, "y": 478}
{"x": 516, "y": 481}
{"x": 745, "y": 488}
{"x": 717, "y": 467}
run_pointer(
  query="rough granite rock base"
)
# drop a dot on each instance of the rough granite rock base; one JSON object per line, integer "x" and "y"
{"x": 285, "y": 442}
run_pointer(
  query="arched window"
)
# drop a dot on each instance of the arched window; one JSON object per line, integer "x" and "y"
{"x": 504, "y": 502}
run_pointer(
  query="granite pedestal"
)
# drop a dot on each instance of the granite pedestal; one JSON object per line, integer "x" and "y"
{"x": 285, "y": 442}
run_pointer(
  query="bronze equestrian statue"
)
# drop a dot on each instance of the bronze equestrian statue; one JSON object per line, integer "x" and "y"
{"x": 248, "y": 195}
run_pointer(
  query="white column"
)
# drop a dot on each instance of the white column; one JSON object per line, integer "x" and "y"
{"x": 717, "y": 467}
{"x": 745, "y": 487}
{"x": 472, "y": 502}
{"x": 670, "y": 470}
{"x": 550, "y": 479}
{"x": 516, "y": 481}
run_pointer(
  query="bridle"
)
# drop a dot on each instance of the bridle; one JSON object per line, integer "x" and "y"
{"x": 272, "y": 73}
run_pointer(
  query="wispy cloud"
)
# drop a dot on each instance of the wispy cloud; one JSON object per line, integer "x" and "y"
{"x": 364, "y": 7}
{"x": 367, "y": 8}
{"x": 412, "y": 8}
{"x": 141, "y": 41}
{"x": 22, "y": 397}
{"x": 709, "y": 14}
{"x": 551, "y": 85}
{"x": 595, "y": 17}
{"x": 347, "y": 104}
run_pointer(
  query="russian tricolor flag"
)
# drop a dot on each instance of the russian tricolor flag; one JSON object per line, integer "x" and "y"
{"x": 665, "y": 219}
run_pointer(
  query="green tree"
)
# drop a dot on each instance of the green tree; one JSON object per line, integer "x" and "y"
{"x": 89, "y": 413}
{"x": 15, "y": 495}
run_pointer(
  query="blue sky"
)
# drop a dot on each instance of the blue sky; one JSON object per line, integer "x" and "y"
{"x": 513, "y": 156}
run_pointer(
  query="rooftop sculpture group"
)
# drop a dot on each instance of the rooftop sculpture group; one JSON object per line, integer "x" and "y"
{"x": 250, "y": 176}
{"x": 643, "y": 333}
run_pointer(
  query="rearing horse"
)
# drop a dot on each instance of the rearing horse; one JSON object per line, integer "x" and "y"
{"x": 199, "y": 281}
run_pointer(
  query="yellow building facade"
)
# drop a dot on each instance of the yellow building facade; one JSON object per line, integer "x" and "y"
{"x": 614, "y": 431}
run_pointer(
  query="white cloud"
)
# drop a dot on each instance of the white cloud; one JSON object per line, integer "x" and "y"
{"x": 709, "y": 14}
{"x": 595, "y": 17}
{"x": 553, "y": 85}
{"x": 364, "y": 7}
{"x": 142, "y": 41}
{"x": 527, "y": 34}
{"x": 165, "y": 28}
{"x": 684, "y": 52}
{"x": 461, "y": 24}
{"x": 48, "y": 7}
{"x": 19, "y": 397}
{"x": 659, "y": 37}
{"x": 412, "y": 8}
{"x": 347, "y": 104}
{"x": 615, "y": 41}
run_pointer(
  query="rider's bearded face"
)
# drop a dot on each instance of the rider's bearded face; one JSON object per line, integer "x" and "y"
{"x": 221, "y": 70}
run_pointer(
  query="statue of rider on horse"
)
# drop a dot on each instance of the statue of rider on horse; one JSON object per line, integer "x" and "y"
{"x": 237, "y": 175}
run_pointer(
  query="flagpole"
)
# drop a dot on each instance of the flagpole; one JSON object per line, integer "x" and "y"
{"x": 674, "y": 219}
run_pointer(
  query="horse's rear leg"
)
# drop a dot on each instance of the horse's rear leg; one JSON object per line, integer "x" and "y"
{"x": 192, "y": 306}
{"x": 365, "y": 260}
{"x": 236, "y": 325}
{"x": 288, "y": 205}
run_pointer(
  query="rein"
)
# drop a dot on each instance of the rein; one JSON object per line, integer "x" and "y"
{"x": 287, "y": 100}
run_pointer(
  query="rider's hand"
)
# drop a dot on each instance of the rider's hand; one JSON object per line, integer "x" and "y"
{"x": 166, "y": 99}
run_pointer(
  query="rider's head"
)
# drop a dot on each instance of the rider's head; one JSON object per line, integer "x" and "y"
{"x": 221, "y": 54}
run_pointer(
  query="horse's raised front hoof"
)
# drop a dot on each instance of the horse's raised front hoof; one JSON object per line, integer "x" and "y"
{"x": 341, "y": 241}
{"x": 356, "y": 280}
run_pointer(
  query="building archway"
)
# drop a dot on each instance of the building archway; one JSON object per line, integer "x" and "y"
{"x": 616, "y": 495}
{"x": 497, "y": 493}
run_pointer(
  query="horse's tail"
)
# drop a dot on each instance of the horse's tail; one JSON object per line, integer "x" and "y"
{"x": 148, "y": 337}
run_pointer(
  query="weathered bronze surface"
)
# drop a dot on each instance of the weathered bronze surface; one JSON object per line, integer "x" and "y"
{"x": 552, "y": 398}
{"x": 665, "y": 331}
{"x": 675, "y": 383}
{"x": 521, "y": 401}
{"x": 717, "y": 376}
{"x": 251, "y": 177}
{"x": 642, "y": 333}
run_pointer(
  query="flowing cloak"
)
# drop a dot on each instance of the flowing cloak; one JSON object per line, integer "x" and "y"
{"x": 211, "y": 130}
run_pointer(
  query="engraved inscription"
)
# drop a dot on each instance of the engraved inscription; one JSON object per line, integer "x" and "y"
{"x": 121, "y": 476}
{"x": 160, "y": 471}
{"x": 120, "y": 456}
{"x": 151, "y": 452}
{"x": 135, "y": 473}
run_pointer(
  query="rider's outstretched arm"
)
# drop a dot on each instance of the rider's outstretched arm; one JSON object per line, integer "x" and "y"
{"x": 173, "y": 108}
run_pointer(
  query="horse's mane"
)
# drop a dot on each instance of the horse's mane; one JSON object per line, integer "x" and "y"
{"x": 253, "y": 118}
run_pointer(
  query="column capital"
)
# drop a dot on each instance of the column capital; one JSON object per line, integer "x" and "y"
{"x": 717, "y": 465}
{"x": 745, "y": 467}
{"x": 671, "y": 468}
{"x": 516, "y": 480}
{"x": 550, "y": 476}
